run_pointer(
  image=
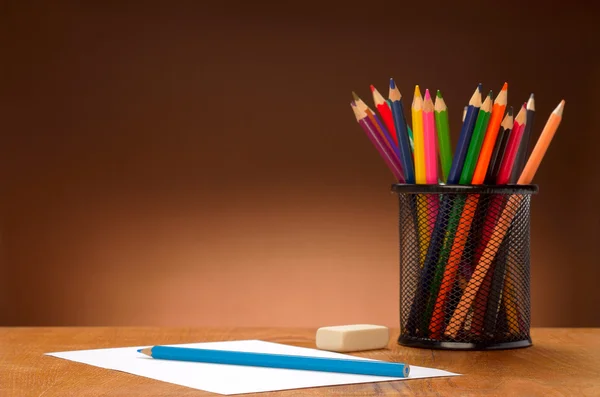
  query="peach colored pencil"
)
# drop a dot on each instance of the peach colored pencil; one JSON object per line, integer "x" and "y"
{"x": 509, "y": 212}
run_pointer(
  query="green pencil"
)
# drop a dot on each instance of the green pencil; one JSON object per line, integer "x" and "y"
{"x": 443, "y": 131}
{"x": 476, "y": 141}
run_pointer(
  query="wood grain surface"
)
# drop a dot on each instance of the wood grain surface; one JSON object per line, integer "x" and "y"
{"x": 562, "y": 362}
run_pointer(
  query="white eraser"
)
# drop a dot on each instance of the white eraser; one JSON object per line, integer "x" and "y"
{"x": 352, "y": 338}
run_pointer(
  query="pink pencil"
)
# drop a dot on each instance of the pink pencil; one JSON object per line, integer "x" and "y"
{"x": 430, "y": 142}
{"x": 512, "y": 147}
{"x": 431, "y": 162}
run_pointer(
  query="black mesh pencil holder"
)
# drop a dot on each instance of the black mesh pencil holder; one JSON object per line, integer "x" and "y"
{"x": 464, "y": 266}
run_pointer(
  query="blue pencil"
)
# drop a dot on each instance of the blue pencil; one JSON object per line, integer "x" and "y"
{"x": 422, "y": 306}
{"x": 465, "y": 137}
{"x": 361, "y": 367}
{"x": 406, "y": 158}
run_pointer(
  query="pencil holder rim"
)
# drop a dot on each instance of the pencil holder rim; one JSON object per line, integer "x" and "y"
{"x": 405, "y": 188}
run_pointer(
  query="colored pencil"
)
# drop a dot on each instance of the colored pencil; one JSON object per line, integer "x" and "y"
{"x": 431, "y": 163}
{"x": 465, "y": 137}
{"x": 384, "y": 151}
{"x": 524, "y": 147}
{"x": 406, "y": 156}
{"x": 495, "y": 289}
{"x": 512, "y": 147}
{"x": 470, "y": 204}
{"x": 508, "y": 213}
{"x": 490, "y": 135}
{"x": 445, "y": 227}
{"x": 384, "y": 110}
{"x": 420, "y": 175}
{"x": 429, "y": 141}
{"x": 483, "y": 118}
{"x": 266, "y": 360}
{"x": 495, "y": 207}
{"x": 442, "y": 127}
{"x": 418, "y": 135}
{"x": 499, "y": 148}
{"x": 383, "y": 132}
{"x": 410, "y": 133}
{"x": 541, "y": 146}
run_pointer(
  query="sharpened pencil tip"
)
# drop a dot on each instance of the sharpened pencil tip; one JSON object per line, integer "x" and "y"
{"x": 480, "y": 87}
{"x": 417, "y": 90}
{"x": 427, "y": 95}
{"x": 510, "y": 111}
{"x": 438, "y": 94}
{"x": 490, "y": 93}
{"x": 392, "y": 83}
{"x": 505, "y": 87}
{"x": 356, "y": 97}
{"x": 140, "y": 350}
{"x": 559, "y": 109}
{"x": 531, "y": 103}
{"x": 373, "y": 89}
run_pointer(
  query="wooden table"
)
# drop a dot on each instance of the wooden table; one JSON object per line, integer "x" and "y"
{"x": 562, "y": 362}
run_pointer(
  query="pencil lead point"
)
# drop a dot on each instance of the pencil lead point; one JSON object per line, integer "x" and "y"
{"x": 140, "y": 350}
{"x": 559, "y": 109}
{"x": 427, "y": 95}
{"x": 439, "y": 94}
{"x": 510, "y": 111}
{"x": 417, "y": 90}
{"x": 505, "y": 87}
{"x": 356, "y": 97}
{"x": 490, "y": 93}
{"x": 373, "y": 89}
{"x": 480, "y": 87}
{"x": 392, "y": 83}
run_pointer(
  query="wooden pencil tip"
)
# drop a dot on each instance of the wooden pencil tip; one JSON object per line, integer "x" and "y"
{"x": 356, "y": 97}
{"x": 147, "y": 351}
{"x": 480, "y": 87}
{"x": 417, "y": 91}
{"x": 559, "y": 109}
{"x": 531, "y": 103}
{"x": 392, "y": 83}
{"x": 505, "y": 87}
{"x": 427, "y": 95}
{"x": 373, "y": 89}
{"x": 510, "y": 111}
{"x": 490, "y": 94}
{"x": 438, "y": 94}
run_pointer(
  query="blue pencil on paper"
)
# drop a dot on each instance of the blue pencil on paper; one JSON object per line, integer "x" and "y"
{"x": 361, "y": 367}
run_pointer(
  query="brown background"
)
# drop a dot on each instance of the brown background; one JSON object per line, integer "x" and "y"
{"x": 198, "y": 163}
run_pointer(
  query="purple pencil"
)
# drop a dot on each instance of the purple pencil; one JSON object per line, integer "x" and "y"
{"x": 384, "y": 151}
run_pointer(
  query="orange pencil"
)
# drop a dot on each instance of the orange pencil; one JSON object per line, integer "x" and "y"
{"x": 509, "y": 212}
{"x": 468, "y": 213}
{"x": 491, "y": 133}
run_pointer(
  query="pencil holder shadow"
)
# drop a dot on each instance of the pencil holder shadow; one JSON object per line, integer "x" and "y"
{"x": 464, "y": 266}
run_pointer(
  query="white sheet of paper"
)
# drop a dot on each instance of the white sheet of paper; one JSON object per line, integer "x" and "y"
{"x": 231, "y": 379}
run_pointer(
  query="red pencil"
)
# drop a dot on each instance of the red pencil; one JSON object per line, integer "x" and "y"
{"x": 512, "y": 147}
{"x": 386, "y": 113}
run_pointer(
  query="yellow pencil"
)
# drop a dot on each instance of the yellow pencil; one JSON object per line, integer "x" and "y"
{"x": 420, "y": 175}
{"x": 418, "y": 136}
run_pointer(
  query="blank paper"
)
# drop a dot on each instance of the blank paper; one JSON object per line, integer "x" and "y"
{"x": 231, "y": 379}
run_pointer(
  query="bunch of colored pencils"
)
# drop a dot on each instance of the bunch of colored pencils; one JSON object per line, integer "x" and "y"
{"x": 492, "y": 149}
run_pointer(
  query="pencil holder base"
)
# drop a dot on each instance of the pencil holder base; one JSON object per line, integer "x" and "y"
{"x": 434, "y": 344}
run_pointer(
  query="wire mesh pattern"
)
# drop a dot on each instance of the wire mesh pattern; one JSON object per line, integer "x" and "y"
{"x": 464, "y": 267}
